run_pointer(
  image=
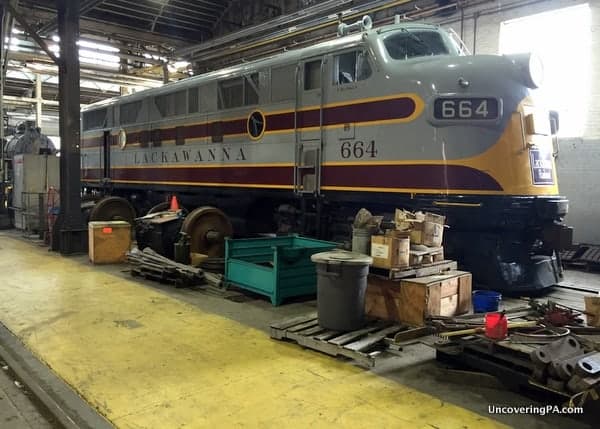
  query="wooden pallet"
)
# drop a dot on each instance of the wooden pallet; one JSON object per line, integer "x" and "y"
{"x": 161, "y": 277}
{"x": 509, "y": 362}
{"x": 363, "y": 345}
{"x": 416, "y": 271}
{"x": 426, "y": 257}
{"x": 584, "y": 256}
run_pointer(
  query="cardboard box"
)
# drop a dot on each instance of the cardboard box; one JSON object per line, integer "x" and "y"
{"x": 405, "y": 219}
{"x": 592, "y": 308}
{"x": 433, "y": 230}
{"x": 411, "y": 301}
{"x": 416, "y": 234}
{"x": 390, "y": 250}
{"x": 108, "y": 241}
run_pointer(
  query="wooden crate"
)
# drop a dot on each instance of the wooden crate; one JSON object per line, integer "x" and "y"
{"x": 108, "y": 241}
{"x": 411, "y": 301}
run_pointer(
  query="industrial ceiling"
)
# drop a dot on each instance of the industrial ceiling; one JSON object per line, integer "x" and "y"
{"x": 129, "y": 45}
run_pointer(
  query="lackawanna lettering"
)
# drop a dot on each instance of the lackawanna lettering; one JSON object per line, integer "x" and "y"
{"x": 220, "y": 154}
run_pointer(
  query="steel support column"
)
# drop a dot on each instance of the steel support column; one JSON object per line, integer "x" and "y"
{"x": 38, "y": 100}
{"x": 165, "y": 73}
{"x": 4, "y": 214}
{"x": 70, "y": 229}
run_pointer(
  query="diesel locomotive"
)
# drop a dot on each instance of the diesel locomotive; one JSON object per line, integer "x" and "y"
{"x": 395, "y": 116}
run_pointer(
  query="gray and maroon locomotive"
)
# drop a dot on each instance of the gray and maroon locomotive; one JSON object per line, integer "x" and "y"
{"x": 396, "y": 116}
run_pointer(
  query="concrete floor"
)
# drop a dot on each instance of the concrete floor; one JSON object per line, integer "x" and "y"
{"x": 148, "y": 355}
{"x": 18, "y": 409}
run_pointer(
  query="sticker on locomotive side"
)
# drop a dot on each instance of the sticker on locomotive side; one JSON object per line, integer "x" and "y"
{"x": 541, "y": 167}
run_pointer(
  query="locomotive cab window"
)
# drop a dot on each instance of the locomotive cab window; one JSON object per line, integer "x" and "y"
{"x": 350, "y": 67}
{"x": 407, "y": 44}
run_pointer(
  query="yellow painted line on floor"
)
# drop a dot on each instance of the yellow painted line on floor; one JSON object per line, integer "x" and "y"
{"x": 146, "y": 360}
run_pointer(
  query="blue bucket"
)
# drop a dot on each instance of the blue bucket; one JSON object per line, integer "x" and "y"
{"x": 485, "y": 301}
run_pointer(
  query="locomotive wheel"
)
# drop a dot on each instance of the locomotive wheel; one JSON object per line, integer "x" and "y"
{"x": 163, "y": 207}
{"x": 113, "y": 208}
{"x": 207, "y": 227}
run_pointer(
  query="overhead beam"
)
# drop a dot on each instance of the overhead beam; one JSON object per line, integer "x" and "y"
{"x": 33, "y": 54}
{"x": 282, "y": 21}
{"x": 31, "y": 31}
{"x": 158, "y": 15}
{"x": 95, "y": 26}
{"x": 190, "y": 18}
{"x": 53, "y": 24}
{"x": 148, "y": 17}
{"x": 11, "y": 99}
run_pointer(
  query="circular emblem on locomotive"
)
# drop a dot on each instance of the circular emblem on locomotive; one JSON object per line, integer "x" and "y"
{"x": 122, "y": 138}
{"x": 256, "y": 125}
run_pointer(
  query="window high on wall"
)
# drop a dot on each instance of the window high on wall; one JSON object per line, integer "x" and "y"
{"x": 562, "y": 38}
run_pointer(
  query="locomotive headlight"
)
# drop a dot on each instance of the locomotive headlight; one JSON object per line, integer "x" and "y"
{"x": 536, "y": 71}
{"x": 530, "y": 68}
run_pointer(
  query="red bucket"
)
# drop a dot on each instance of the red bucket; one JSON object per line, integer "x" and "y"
{"x": 496, "y": 326}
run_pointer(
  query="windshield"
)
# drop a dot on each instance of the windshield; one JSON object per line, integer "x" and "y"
{"x": 408, "y": 44}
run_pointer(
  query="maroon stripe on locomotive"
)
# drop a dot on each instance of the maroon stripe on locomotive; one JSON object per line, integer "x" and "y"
{"x": 356, "y": 176}
{"x": 370, "y": 111}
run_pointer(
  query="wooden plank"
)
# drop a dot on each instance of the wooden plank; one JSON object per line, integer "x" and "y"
{"x": 423, "y": 271}
{"x": 464, "y": 294}
{"x": 449, "y": 287}
{"x": 284, "y": 324}
{"x": 413, "y": 333}
{"x": 448, "y": 305}
{"x": 302, "y": 326}
{"x": 312, "y": 331}
{"x": 433, "y": 299}
{"x": 350, "y": 336}
{"x": 594, "y": 289}
{"x": 373, "y": 339}
{"x": 332, "y": 349}
{"x": 327, "y": 335}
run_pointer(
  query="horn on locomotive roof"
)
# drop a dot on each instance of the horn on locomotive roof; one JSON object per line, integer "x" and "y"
{"x": 364, "y": 24}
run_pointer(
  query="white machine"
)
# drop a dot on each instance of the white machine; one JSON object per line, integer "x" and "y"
{"x": 33, "y": 176}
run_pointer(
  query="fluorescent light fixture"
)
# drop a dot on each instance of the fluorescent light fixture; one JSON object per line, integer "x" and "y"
{"x": 98, "y": 46}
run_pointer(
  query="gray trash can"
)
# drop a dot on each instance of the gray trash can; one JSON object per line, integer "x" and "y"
{"x": 341, "y": 286}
